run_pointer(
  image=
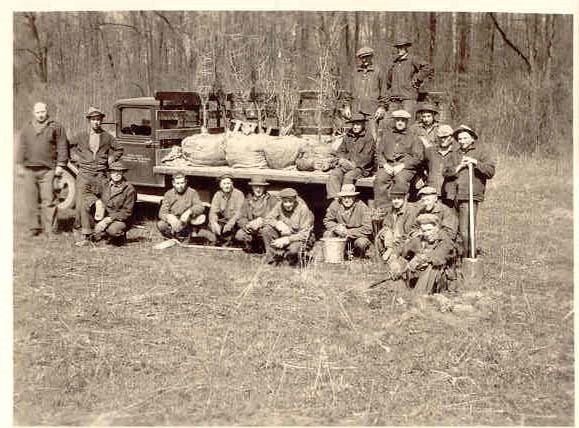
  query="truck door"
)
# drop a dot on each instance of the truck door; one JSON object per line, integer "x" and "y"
{"x": 135, "y": 133}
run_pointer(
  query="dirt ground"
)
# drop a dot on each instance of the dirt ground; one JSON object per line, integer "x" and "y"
{"x": 137, "y": 336}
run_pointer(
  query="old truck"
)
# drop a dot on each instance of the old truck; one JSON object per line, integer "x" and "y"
{"x": 147, "y": 127}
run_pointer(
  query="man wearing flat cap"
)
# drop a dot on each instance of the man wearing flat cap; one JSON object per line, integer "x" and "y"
{"x": 425, "y": 258}
{"x": 398, "y": 155}
{"x": 405, "y": 75}
{"x": 355, "y": 157}
{"x": 93, "y": 151}
{"x": 350, "y": 218}
{"x": 224, "y": 212}
{"x": 287, "y": 231}
{"x": 435, "y": 157}
{"x": 365, "y": 92}
{"x": 253, "y": 212}
{"x": 118, "y": 198}
{"x": 429, "y": 204}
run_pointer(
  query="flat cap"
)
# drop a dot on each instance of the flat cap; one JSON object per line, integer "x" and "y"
{"x": 444, "y": 131}
{"x": 224, "y": 176}
{"x": 398, "y": 191}
{"x": 118, "y": 166}
{"x": 365, "y": 51}
{"x": 94, "y": 112}
{"x": 427, "y": 218}
{"x": 427, "y": 190}
{"x": 403, "y": 114}
{"x": 402, "y": 41}
{"x": 288, "y": 192}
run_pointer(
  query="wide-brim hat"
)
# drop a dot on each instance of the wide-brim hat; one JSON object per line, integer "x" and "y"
{"x": 357, "y": 117}
{"x": 94, "y": 112}
{"x": 402, "y": 41}
{"x": 427, "y": 107}
{"x": 347, "y": 190}
{"x": 258, "y": 181}
{"x": 288, "y": 192}
{"x": 400, "y": 114}
{"x": 118, "y": 166}
{"x": 464, "y": 128}
{"x": 364, "y": 51}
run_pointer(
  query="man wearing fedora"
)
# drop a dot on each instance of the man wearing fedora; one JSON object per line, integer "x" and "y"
{"x": 42, "y": 153}
{"x": 365, "y": 93}
{"x": 355, "y": 157}
{"x": 435, "y": 157}
{"x": 350, "y": 218}
{"x": 181, "y": 210}
{"x": 253, "y": 211}
{"x": 456, "y": 173}
{"x": 287, "y": 232}
{"x": 405, "y": 76}
{"x": 93, "y": 151}
{"x": 398, "y": 155}
{"x": 118, "y": 198}
{"x": 426, "y": 125}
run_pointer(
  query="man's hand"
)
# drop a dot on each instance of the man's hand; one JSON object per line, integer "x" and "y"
{"x": 228, "y": 227}
{"x": 346, "y": 164}
{"x": 467, "y": 159}
{"x": 396, "y": 169}
{"x": 281, "y": 242}
{"x": 175, "y": 223}
{"x": 58, "y": 170}
{"x": 215, "y": 228}
{"x": 186, "y": 216}
{"x": 282, "y": 228}
{"x": 341, "y": 230}
{"x": 388, "y": 169}
{"x": 380, "y": 113}
{"x": 254, "y": 224}
{"x": 346, "y": 112}
{"x": 102, "y": 225}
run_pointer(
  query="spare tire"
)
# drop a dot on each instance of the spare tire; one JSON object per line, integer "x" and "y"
{"x": 64, "y": 190}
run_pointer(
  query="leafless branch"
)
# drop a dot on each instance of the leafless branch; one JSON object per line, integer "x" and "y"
{"x": 509, "y": 43}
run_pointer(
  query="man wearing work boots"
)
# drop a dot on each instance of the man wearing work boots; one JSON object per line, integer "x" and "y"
{"x": 350, "y": 218}
{"x": 366, "y": 91}
{"x": 181, "y": 210}
{"x": 429, "y": 204}
{"x": 255, "y": 207}
{"x": 287, "y": 232}
{"x": 398, "y": 155}
{"x": 436, "y": 157}
{"x": 355, "y": 157}
{"x": 118, "y": 199}
{"x": 425, "y": 257}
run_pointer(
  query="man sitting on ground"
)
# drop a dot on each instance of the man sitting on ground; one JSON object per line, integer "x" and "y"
{"x": 255, "y": 207}
{"x": 287, "y": 233}
{"x": 181, "y": 210}
{"x": 429, "y": 204}
{"x": 350, "y": 218}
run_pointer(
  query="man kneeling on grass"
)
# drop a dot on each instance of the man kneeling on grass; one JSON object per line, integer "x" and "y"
{"x": 112, "y": 209}
{"x": 350, "y": 218}
{"x": 423, "y": 260}
{"x": 181, "y": 210}
{"x": 287, "y": 232}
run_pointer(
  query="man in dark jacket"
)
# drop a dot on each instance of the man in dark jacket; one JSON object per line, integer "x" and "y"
{"x": 436, "y": 157}
{"x": 41, "y": 155}
{"x": 404, "y": 77}
{"x": 255, "y": 208}
{"x": 429, "y": 204}
{"x": 93, "y": 151}
{"x": 365, "y": 94}
{"x": 355, "y": 157}
{"x": 398, "y": 154}
{"x": 470, "y": 152}
{"x": 118, "y": 198}
{"x": 350, "y": 218}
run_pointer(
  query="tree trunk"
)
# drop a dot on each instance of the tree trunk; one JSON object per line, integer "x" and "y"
{"x": 41, "y": 51}
{"x": 432, "y": 27}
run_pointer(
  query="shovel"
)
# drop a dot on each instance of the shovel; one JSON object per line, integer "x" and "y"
{"x": 471, "y": 266}
{"x": 172, "y": 242}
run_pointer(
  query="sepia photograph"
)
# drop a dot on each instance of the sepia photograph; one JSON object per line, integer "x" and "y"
{"x": 292, "y": 217}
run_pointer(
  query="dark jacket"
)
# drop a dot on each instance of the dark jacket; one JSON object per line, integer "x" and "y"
{"x": 119, "y": 200}
{"x": 456, "y": 186}
{"x": 435, "y": 163}
{"x": 447, "y": 216}
{"x": 357, "y": 219}
{"x": 176, "y": 204}
{"x": 366, "y": 90}
{"x": 438, "y": 254}
{"x": 404, "y": 76}
{"x": 108, "y": 152}
{"x": 399, "y": 147}
{"x": 300, "y": 220}
{"x": 48, "y": 147}
{"x": 359, "y": 149}
{"x": 426, "y": 136}
{"x": 254, "y": 207}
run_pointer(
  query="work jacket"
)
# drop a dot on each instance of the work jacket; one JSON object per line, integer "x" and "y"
{"x": 300, "y": 220}
{"x": 177, "y": 203}
{"x": 254, "y": 207}
{"x": 119, "y": 200}
{"x": 435, "y": 163}
{"x": 357, "y": 219}
{"x": 405, "y": 75}
{"x": 399, "y": 147}
{"x": 90, "y": 163}
{"x": 447, "y": 216}
{"x": 399, "y": 222}
{"x": 47, "y": 147}
{"x": 360, "y": 150}
{"x": 366, "y": 90}
{"x": 227, "y": 207}
{"x": 426, "y": 135}
{"x": 438, "y": 253}
{"x": 457, "y": 184}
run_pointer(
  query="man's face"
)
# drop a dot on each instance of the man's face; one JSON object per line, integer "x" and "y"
{"x": 95, "y": 122}
{"x": 40, "y": 112}
{"x": 226, "y": 185}
{"x": 179, "y": 184}
{"x": 401, "y": 50}
{"x": 357, "y": 127}
{"x": 347, "y": 201}
{"x": 258, "y": 190}
{"x": 400, "y": 123}
{"x": 288, "y": 204}
{"x": 428, "y": 201}
{"x": 365, "y": 61}
{"x": 445, "y": 142}
{"x": 464, "y": 139}
{"x": 116, "y": 176}
{"x": 427, "y": 118}
{"x": 398, "y": 201}
{"x": 429, "y": 232}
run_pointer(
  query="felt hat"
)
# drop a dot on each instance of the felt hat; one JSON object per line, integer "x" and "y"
{"x": 427, "y": 107}
{"x": 258, "y": 181}
{"x": 347, "y": 190}
{"x": 427, "y": 190}
{"x": 357, "y": 117}
{"x": 464, "y": 128}
{"x": 118, "y": 166}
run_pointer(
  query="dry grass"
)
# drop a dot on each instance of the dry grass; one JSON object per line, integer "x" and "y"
{"x": 129, "y": 336}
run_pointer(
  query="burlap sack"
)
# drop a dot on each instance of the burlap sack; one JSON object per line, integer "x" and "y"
{"x": 204, "y": 149}
{"x": 316, "y": 156}
{"x": 281, "y": 152}
{"x": 245, "y": 151}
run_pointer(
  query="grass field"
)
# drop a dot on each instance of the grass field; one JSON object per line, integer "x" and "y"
{"x": 136, "y": 336}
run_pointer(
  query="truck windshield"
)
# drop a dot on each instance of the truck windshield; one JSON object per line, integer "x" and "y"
{"x": 135, "y": 121}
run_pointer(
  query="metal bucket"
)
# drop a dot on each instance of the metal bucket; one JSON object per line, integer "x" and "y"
{"x": 334, "y": 249}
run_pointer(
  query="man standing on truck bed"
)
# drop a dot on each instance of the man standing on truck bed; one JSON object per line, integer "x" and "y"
{"x": 42, "y": 154}
{"x": 93, "y": 151}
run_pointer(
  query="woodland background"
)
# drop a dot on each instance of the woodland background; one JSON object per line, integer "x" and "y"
{"x": 507, "y": 75}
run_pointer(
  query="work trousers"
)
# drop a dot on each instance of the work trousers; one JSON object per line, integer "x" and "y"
{"x": 86, "y": 188}
{"x": 338, "y": 176}
{"x": 384, "y": 182}
{"x": 427, "y": 281}
{"x": 463, "y": 225}
{"x": 292, "y": 253}
{"x": 39, "y": 199}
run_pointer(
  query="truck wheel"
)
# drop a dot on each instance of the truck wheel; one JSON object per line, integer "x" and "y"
{"x": 64, "y": 189}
